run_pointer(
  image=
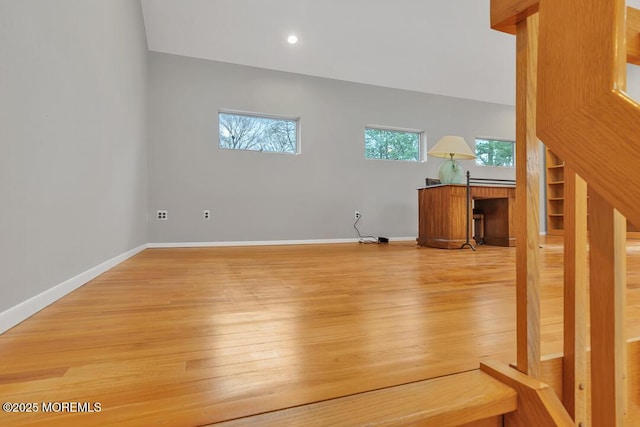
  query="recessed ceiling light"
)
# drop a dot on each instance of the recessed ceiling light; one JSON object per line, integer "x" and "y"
{"x": 292, "y": 39}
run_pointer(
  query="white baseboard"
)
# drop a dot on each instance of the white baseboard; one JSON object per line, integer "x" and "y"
{"x": 265, "y": 243}
{"x": 16, "y": 314}
{"x": 248, "y": 243}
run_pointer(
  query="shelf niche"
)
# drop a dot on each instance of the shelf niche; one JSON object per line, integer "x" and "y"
{"x": 555, "y": 198}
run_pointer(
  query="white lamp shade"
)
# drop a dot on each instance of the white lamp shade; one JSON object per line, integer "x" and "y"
{"x": 452, "y": 147}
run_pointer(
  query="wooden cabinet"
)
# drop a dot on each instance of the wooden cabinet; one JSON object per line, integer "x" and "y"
{"x": 555, "y": 198}
{"x": 442, "y": 215}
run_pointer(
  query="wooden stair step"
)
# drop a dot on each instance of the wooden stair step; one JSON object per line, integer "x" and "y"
{"x": 452, "y": 400}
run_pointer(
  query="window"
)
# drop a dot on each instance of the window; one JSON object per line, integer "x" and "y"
{"x": 392, "y": 144}
{"x": 494, "y": 152}
{"x": 258, "y": 133}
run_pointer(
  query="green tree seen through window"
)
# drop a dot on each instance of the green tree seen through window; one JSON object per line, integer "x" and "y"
{"x": 391, "y": 144}
{"x": 491, "y": 152}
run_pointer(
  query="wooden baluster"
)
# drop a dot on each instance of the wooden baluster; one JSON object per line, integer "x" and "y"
{"x": 607, "y": 280}
{"x": 574, "y": 381}
{"x": 527, "y": 200}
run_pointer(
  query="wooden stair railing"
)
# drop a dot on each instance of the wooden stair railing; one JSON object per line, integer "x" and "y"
{"x": 571, "y": 77}
{"x": 585, "y": 117}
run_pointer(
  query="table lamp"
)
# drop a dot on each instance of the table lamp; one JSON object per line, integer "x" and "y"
{"x": 451, "y": 148}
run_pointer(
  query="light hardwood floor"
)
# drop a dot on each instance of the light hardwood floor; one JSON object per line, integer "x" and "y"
{"x": 201, "y": 335}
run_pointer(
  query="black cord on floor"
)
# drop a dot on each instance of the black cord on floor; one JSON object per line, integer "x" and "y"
{"x": 364, "y": 239}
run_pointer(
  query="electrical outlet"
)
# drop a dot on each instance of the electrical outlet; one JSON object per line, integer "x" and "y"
{"x": 161, "y": 215}
{"x": 206, "y": 214}
{"x": 356, "y": 215}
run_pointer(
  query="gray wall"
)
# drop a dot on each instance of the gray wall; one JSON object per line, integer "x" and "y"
{"x": 259, "y": 196}
{"x": 73, "y": 183}
{"x": 633, "y": 81}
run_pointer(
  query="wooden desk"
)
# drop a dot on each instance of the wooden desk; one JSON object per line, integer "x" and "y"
{"x": 442, "y": 215}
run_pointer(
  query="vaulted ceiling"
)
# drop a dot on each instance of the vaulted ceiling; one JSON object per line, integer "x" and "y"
{"x": 435, "y": 46}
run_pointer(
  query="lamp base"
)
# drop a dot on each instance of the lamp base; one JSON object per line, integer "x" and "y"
{"x": 451, "y": 172}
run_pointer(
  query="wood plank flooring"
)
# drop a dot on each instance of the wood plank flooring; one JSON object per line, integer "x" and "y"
{"x": 437, "y": 402}
{"x": 193, "y": 336}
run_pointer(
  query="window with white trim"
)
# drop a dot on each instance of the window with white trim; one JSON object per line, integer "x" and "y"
{"x": 258, "y": 133}
{"x": 495, "y": 152}
{"x": 392, "y": 144}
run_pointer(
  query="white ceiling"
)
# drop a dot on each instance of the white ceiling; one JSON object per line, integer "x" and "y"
{"x": 435, "y": 46}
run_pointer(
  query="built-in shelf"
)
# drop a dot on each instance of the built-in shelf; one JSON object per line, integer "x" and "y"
{"x": 555, "y": 197}
{"x": 555, "y": 194}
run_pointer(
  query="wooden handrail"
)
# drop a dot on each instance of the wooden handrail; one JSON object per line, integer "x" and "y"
{"x": 505, "y": 15}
